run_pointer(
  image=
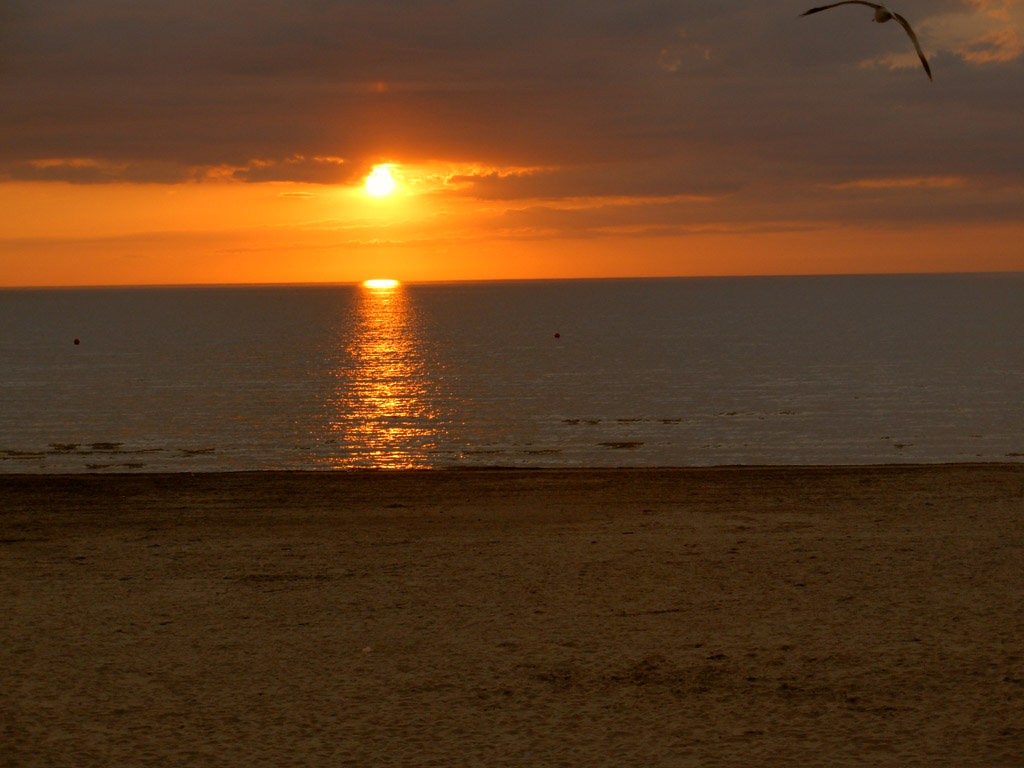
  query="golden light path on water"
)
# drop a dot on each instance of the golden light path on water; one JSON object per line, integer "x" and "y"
{"x": 383, "y": 410}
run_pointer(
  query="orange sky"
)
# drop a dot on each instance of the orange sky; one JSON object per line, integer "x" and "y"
{"x": 174, "y": 144}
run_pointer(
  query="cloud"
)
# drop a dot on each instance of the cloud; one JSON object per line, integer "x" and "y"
{"x": 76, "y": 170}
{"x": 980, "y": 31}
{"x": 303, "y": 170}
{"x": 999, "y": 46}
{"x": 934, "y": 182}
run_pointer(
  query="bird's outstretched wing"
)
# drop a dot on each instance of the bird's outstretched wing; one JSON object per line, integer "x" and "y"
{"x": 844, "y": 2}
{"x": 917, "y": 45}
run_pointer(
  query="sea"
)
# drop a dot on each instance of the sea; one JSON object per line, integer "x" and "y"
{"x": 562, "y": 373}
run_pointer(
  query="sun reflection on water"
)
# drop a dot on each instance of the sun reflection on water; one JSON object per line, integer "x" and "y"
{"x": 384, "y": 413}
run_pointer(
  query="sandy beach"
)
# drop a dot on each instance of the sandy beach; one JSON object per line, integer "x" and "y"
{"x": 692, "y": 617}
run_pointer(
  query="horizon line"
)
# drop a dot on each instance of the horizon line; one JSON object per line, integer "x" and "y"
{"x": 467, "y": 281}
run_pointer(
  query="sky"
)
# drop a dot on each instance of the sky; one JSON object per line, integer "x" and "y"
{"x": 229, "y": 141}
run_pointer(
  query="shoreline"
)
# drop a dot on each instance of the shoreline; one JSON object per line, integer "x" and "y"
{"x": 775, "y": 616}
{"x": 497, "y": 468}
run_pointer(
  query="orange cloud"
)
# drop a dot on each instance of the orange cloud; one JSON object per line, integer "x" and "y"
{"x": 988, "y": 31}
{"x": 931, "y": 182}
{"x": 996, "y": 9}
{"x": 436, "y": 177}
{"x": 1001, "y": 45}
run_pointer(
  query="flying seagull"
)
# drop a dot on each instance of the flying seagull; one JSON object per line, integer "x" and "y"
{"x": 882, "y": 14}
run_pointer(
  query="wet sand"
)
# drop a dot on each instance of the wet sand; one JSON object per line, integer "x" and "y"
{"x": 723, "y": 617}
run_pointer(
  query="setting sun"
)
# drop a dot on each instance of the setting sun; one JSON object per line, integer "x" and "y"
{"x": 380, "y": 182}
{"x": 380, "y": 283}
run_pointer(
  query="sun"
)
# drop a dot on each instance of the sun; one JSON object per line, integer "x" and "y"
{"x": 380, "y": 284}
{"x": 380, "y": 182}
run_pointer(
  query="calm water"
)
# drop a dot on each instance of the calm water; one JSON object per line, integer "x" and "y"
{"x": 645, "y": 372}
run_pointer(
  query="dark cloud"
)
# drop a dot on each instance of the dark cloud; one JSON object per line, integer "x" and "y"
{"x": 314, "y": 170}
{"x": 639, "y": 98}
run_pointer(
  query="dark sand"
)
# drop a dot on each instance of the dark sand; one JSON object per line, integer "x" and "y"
{"x": 727, "y": 617}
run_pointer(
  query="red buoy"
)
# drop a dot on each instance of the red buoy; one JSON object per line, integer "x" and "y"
{"x": 558, "y": 335}
{"x": 78, "y": 341}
